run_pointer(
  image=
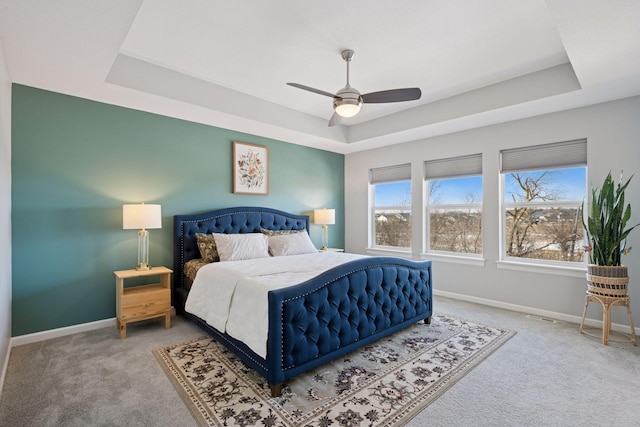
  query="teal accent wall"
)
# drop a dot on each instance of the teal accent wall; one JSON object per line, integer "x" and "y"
{"x": 75, "y": 162}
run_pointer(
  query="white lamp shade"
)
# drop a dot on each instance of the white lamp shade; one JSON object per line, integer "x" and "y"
{"x": 324, "y": 216}
{"x": 141, "y": 216}
{"x": 348, "y": 110}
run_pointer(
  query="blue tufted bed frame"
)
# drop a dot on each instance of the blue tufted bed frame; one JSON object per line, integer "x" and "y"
{"x": 316, "y": 321}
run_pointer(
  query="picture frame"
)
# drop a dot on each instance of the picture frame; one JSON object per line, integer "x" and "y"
{"x": 250, "y": 169}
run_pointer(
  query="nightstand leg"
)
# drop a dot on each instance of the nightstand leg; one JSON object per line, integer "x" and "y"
{"x": 167, "y": 320}
{"x": 123, "y": 330}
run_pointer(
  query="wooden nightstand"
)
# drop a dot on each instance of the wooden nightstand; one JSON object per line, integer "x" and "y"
{"x": 143, "y": 301}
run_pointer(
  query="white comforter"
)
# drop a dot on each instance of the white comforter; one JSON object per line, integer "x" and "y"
{"x": 232, "y": 297}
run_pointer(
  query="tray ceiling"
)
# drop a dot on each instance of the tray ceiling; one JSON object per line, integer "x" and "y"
{"x": 227, "y": 63}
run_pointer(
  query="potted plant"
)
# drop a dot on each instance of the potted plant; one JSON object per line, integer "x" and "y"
{"x": 606, "y": 229}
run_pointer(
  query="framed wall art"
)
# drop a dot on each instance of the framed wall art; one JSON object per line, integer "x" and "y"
{"x": 250, "y": 169}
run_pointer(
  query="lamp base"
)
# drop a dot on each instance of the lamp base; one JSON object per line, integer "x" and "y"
{"x": 143, "y": 250}
{"x": 325, "y": 237}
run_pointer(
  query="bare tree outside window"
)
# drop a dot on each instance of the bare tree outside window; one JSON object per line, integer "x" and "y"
{"x": 393, "y": 229}
{"x": 455, "y": 221}
{"x": 541, "y": 220}
{"x": 392, "y": 215}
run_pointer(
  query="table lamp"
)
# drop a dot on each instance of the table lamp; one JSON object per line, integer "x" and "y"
{"x": 324, "y": 217}
{"x": 141, "y": 216}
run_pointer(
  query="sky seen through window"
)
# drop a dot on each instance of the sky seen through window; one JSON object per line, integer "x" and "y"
{"x": 567, "y": 184}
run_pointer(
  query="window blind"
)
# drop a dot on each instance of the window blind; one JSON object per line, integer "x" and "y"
{"x": 390, "y": 174}
{"x": 455, "y": 167}
{"x": 547, "y": 156}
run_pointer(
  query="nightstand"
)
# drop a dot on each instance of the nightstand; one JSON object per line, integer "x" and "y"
{"x": 142, "y": 302}
{"x": 331, "y": 250}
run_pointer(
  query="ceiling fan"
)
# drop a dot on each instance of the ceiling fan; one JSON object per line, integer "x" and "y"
{"x": 348, "y": 101}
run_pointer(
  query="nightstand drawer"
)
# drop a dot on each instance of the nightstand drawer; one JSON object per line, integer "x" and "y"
{"x": 145, "y": 294}
{"x": 138, "y": 303}
{"x": 144, "y": 311}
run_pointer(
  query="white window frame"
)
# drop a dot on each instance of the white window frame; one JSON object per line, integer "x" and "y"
{"x": 387, "y": 175}
{"x": 444, "y": 169}
{"x": 539, "y": 158}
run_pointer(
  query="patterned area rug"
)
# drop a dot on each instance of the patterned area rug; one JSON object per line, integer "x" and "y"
{"x": 386, "y": 383}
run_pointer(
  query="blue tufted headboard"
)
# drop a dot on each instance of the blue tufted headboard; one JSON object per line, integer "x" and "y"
{"x": 246, "y": 219}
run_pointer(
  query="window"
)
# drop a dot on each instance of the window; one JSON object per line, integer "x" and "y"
{"x": 542, "y": 192}
{"x": 391, "y": 207}
{"x": 454, "y": 205}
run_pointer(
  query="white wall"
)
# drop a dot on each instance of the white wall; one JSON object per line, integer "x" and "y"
{"x": 5, "y": 214}
{"x": 612, "y": 131}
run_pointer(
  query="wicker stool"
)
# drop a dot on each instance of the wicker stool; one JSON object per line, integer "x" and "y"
{"x": 607, "y": 302}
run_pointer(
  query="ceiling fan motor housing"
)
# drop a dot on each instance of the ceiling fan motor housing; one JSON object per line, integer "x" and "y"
{"x": 347, "y": 102}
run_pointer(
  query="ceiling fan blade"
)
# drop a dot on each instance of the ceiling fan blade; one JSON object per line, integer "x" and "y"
{"x": 335, "y": 119}
{"x": 310, "y": 89}
{"x": 392, "y": 95}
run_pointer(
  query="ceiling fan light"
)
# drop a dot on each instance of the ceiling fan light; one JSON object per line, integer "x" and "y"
{"x": 348, "y": 108}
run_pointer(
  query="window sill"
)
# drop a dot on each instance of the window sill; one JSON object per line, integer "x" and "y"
{"x": 455, "y": 259}
{"x": 558, "y": 270}
{"x": 390, "y": 252}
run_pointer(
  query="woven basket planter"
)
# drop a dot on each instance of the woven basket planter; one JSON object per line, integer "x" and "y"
{"x": 608, "y": 281}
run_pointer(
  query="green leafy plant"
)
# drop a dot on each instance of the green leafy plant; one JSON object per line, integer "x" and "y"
{"x": 606, "y": 223}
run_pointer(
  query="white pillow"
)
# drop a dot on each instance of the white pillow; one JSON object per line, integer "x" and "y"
{"x": 291, "y": 244}
{"x": 236, "y": 247}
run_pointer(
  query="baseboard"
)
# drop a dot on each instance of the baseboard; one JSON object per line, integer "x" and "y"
{"x": 61, "y": 332}
{"x": 4, "y": 367}
{"x": 530, "y": 310}
{"x": 67, "y": 330}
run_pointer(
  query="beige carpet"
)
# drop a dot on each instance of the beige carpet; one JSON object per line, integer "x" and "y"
{"x": 385, "y": 383}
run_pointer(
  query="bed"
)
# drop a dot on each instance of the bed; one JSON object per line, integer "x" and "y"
{"x": 315, "y": 321}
